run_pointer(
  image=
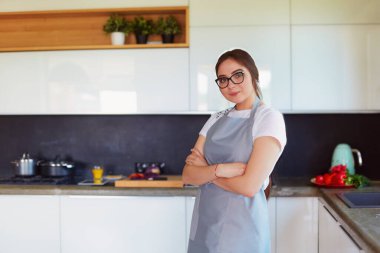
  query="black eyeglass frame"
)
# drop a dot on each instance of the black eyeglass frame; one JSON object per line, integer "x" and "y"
{"x": 229, "y": 79}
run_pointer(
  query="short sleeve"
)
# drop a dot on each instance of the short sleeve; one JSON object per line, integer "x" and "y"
{"x": 270, "y": 122}
{"x": 208, "y": 124}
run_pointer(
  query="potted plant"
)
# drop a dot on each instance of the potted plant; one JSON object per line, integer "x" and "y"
{"x": 168, "y": 27}
{"x": 118, "y": 27}
{"x": 142, "y": 28}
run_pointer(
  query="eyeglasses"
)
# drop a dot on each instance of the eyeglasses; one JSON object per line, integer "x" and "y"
{"x": 236, "y": 78}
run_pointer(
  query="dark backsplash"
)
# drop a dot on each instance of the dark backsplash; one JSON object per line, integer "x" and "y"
{"x": 118, "y": 141}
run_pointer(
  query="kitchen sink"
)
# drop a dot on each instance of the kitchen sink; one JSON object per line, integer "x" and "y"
{"x": 360, "y": 199}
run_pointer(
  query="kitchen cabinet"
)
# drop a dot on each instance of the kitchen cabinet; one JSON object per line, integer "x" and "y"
{"x": 123, "y": 224}
{"x": 268, "y": 45}
{"x": 95, "y": 81}
{"x": 29, "y": 224}
{"x": 21, "y": 5}
{"x": 335, "y": 12}
{"x": 334, "y": 68}
{"x": 272, "y": 222}
{"x": 80, "y": 29}
{"x": 332, "y": 236}
{"x": 296, "y": 224}
{"x": 238, "y": 13}
{"x": 190, "y": 201}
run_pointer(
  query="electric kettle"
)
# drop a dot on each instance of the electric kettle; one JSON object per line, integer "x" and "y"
{"x": 343, "y": 154}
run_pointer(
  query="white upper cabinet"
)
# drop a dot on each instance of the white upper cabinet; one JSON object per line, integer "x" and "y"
{"x": 335, "y": 11}
{"x": 268, "y": 45}
{"x": 94, "y": 82}
{"x": 22, "y": 5}
{"x": 238, "y": 12}
{"x": 336, "y": 67}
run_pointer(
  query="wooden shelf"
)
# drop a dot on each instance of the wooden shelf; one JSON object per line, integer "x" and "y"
{"x": 80, "y": 29}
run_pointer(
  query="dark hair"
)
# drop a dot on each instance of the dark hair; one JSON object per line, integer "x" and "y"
{"x": 245, "y": 59}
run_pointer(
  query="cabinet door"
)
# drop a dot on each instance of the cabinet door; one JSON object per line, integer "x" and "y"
{"x": 268, "y": 45}
{"x": 123, "y": 224}
{"x": 336, "y": 67}
{"x": 29, "y": 224}
{"x": 190, "y": 201}
{"x": 335, "y": 12}
{"x": 328, "y": 231}
{"x": 95, "y": 81}
{"x": 297, "y": 225}
{"x": 238, "y": 12}
{"x": 272, "y": 221}
{"x": 37, "y": 5}
{"x": 332, "y": 237}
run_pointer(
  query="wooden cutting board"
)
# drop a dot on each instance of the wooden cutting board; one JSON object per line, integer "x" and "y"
{"x": 171, "y": 182}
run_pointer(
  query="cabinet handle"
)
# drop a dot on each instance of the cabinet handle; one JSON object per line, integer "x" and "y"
{"x": 352, "y": 239}
{"x": 330, "y": 214}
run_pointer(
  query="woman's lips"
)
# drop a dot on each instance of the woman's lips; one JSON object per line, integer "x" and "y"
{"x": 233, "y": 94}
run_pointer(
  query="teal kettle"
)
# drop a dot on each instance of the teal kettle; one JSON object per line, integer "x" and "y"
{"x": 343, "y": 154}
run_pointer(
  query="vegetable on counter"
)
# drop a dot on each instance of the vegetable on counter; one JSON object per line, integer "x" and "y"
{"x": 338, "y": 176}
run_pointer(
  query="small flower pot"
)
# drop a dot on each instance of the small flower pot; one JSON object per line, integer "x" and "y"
{"x": 118, "y": 38}
{"x": 141, "y": 38}
{"x": 167, "y": 38}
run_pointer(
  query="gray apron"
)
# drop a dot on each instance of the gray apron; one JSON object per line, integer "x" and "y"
{"x": 226, "y": 222}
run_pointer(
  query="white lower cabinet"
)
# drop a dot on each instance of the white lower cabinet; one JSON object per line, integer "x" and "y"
{"x": 123, "y": 224}
{"x": 332, "y": 237}
{"x": 296, "y": 224}
{"x": 29, "y": 224}
{"x": 272, "y": 222}
{"x": 190, "y": 201}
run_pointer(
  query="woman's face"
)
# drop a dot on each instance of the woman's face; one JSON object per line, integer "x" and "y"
{"x": 240, "y": 94}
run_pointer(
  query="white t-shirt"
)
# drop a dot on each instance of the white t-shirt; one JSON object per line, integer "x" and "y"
{"x": 267, "y": 122}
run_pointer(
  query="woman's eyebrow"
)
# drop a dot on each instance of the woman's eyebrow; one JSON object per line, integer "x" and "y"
{"x": 233, "y": 72}
{"x": 238, "y": 70}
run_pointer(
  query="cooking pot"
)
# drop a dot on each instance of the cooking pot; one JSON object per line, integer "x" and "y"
{"x": 343, "y": 154}
{"x": 55, "y": 168}
{"x": 24, "y": 166}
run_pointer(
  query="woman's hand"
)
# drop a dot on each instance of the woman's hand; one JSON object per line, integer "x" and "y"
{"x": 196, "y": 158}
{"x": 229, "y": 170}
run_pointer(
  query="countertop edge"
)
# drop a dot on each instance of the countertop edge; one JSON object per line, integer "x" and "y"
{"x": 364, "y": 239}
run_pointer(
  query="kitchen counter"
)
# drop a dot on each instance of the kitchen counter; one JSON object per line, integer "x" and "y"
{"x": 282, "y": 188}
{"x": 363, "y": 224}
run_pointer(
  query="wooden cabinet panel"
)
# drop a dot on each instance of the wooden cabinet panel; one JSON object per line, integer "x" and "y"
{"x": 79, "y": 29}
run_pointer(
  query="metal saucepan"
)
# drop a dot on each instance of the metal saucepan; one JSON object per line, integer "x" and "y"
{"x": 56, "y": 168}
{"x": 24, "y": 166}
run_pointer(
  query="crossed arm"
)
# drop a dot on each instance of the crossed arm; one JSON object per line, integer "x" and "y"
{"x": 240, "y": 178}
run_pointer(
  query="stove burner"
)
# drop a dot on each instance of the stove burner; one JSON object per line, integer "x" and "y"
{"x": 37, "y": 180}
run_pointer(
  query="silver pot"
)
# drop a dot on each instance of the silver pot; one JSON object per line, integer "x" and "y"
{"x": 25, "y": 166}
{"x": 56, "y": 168}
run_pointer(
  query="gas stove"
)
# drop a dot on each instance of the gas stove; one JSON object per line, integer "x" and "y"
{"x": 38, "y": 180}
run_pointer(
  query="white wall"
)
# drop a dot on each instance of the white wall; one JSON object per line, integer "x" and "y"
{"x": 313, "y": 55}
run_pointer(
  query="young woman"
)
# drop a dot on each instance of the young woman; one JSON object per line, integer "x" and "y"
{"x": 231, "y": 162}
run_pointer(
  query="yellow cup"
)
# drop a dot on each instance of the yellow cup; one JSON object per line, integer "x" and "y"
{"x": 97, "y": 173}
